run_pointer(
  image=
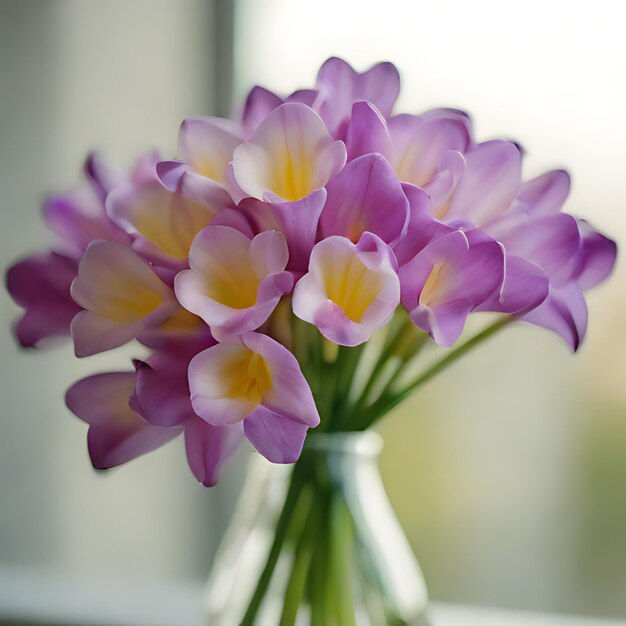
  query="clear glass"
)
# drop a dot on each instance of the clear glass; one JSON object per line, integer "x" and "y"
{"x": 336, "y": 551}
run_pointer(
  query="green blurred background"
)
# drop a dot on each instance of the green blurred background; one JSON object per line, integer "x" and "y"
{"x": 508, "y": 472}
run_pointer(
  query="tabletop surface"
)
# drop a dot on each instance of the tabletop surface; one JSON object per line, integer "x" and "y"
{"x": 36, "y": 597}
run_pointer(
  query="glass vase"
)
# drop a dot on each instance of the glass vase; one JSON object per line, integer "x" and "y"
{"x": 317, "y": 543}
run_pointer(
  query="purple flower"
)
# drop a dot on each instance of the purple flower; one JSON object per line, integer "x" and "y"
{"x": 365, "y": 196}
{"x": 447, "y": 279}
{"x": 117, "y": 434}
{"x": 162, "y": 397}
{"x": 205, "y": 148}
{"x": 414, "y": 145}
{"x": 234, "y": 282}
{"x": 163, "y": 223}
{"x": 41, "y": 285}
{"x": 257, "y": 381}
{"x": 564, "y": 311}
{"x": 132, "y": 413}
{"x": 290, "y": 157}
{"x": 123, "y": 297}
{"x": 340, "y": 86}
{"x": 351, "y": 290}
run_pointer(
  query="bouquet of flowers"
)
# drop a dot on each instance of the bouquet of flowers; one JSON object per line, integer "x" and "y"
{"x": 290, "y": 270}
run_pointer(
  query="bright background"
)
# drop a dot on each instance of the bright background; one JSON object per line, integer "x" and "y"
{"x": 508, "y": 472}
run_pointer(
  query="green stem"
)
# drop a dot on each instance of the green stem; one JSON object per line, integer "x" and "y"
{"x": 301, "y": 566}
{"x": 387, "y": 402}
{"x": 404, "y": 343}
{"x": 319, "y": 568}
{"x": 282, "y": 525}
{"x": 340, "y": 574}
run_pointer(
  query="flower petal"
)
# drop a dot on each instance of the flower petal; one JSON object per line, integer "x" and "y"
{"x": 41, "y": 285}
{"x": 418, "y": 144}
{"x": 365, "y": 196}
{"x": 121, "y": 294}
{"x": 490, "y": 182}
{"x": 367, "y": 131}
{"x": 525, "y": 287}
{"x": 279, "y": 439}
{"x": 597, "y": 257}
{"x": 290, "y": 156}
{"x": 166, "y": 220}
{"x": 209, "y": 448}
{"x": 207, "y": 144}
{"x": 546, "y": 193}
{"x": 116, "y": 433}
{"x": 290, "y": 395}
{"x": 342, "y": 86}
{"x": 350, "y": 290}
{"x": 564, "y": 312}
{"x": 234, "y": 283}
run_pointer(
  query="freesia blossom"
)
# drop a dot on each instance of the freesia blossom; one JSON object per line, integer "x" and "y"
{"x": 124, "y": 299}
{"x": 447, "y": 279}
{"x": 257, "y": 381}
{"x": 41, "y": 284}
{"x": 164, "y": 223}
{"x": 351, "y": 289}
{"x": 325, "y": 206}
{"x": 205, "y": 148}
{"x": 415, "y": 145}
{"x": 337, "y": 88}
{"x": 365, "y": 196}
{"x": 132, "y": 413}
{"x": 290, "y": 157}
{"x": 117, "y": 434}
{"x": 286, "y": 164}
{"x": 234, "y": 282}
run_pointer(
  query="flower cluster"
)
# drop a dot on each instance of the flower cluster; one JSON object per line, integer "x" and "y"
{"x": 320, "y": 207}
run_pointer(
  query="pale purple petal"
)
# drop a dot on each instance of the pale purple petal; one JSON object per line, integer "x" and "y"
{"x": 78, "y": 218}
{"x": 443, "y": 322}
{"x": 289, "y": 157}
{"x": 419, "y": 144}
{"x": 350, "y": 290}
{"x": 551, "y": 242}
{"x": 260, "y": 102}
{"x": 525, "y": 287}
{"x": 597, "y": 257}
{"x": 207, "y": 144}
{"x": 452, "y": 275}
{"x": 178, "y": 177}
{"x": 234, "y": 283}
{"x": 342, "y": 86}
{"x": 290, "y": 395}
{"x": 490, "y": 182}
{"x": 92, "y": 333}
{"x": 41, "y": 285}
{"x": 165, "y": 220}
{"x": 102, "y": 174}
{"x": 367, "y": 131}
{"x": 298, "y": 222}
{"x": 564, "y": 312}
{"x": 218, "y": 378}
{"x": 278, "y": 438}
{"x": 116, "y": 433}
{"x": 209, "y": 448}
{"x": 422, "y": 227}
{"x": 365, "y": 196}
{"x": 546, "y": 193}
{"x": 122, "y": 295}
